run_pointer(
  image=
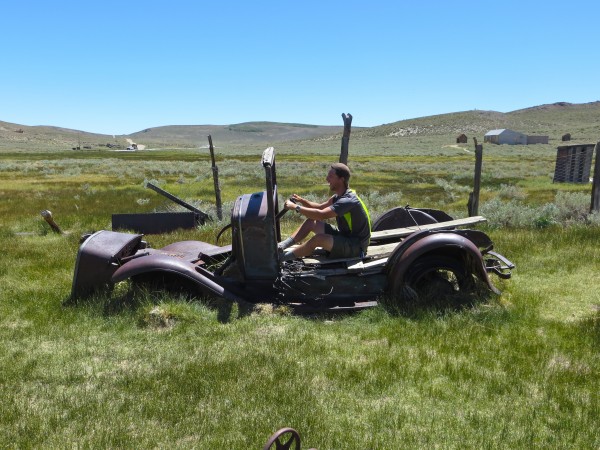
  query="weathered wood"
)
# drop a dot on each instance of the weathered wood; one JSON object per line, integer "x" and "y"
{"x": 47, "y": 215}
{"x": 403, "y": 232}
{"x": 596, "y": 183}
{"x": 215, "y": 171}
{"x": 346, "y": 137}
{"x": 473, "y": 204}
{"x": 380, "y": 251}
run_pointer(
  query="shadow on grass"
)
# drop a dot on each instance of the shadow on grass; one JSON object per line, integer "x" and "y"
{"x": 591, "y": 325}
{"x": 135, "y": 297}
{"x": 409, "y": 304}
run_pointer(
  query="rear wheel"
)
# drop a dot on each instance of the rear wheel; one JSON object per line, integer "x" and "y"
{"x": 436, "y": 279}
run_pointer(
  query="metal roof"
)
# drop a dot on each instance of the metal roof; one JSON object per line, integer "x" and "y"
{"x": 495, "y": 132}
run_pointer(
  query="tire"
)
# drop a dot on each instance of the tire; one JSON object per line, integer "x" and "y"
{"x": 401, "y": 217}
{"x": 436, "y": 279}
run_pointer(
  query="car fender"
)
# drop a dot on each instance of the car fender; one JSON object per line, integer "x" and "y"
{"x": 446, "y": 243}
{"x": 168, "y": 264}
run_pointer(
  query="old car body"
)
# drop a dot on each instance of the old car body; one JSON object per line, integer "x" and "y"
{"x": 410, "y": 248}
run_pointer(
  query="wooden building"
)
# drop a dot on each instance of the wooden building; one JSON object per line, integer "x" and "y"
{"x": 505, "y": 136}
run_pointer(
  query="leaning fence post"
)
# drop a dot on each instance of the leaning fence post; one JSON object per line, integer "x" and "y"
{"x": 215, "y": 171}
{"x": 47, "y": 215}
{"x": 473, "y": 204}
{"x": 345, "y": 137}
{"x": 596, "y": 183}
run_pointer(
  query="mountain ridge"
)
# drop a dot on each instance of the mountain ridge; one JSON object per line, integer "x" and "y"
{"x": 555, "y": 118}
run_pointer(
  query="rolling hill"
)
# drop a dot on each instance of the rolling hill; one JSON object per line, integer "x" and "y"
{"x": 581, "y": 120}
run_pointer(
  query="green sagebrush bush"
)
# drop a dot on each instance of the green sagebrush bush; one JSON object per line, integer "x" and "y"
{"x": 568, "y": 208}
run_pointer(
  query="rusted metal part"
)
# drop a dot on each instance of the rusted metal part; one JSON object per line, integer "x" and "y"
{"x": 425, "y": 243}
{"x": 154, "y": 223}
{"x": 249, "y": 270}
{"x": 202, "y": 216}
{"x": 47, "y": 215}
{"x": 284, "y": 439}
{"x": 98, "y": 259}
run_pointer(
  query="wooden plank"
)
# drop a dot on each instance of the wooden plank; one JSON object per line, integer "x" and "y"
{"x": 381, "y": 251}
{"x": 403, "y": 232}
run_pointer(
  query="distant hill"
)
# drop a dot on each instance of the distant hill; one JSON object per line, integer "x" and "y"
{"x": 22, "y": 136}
{"x": 581, "y": 120}
{"x": 250, "y": 132}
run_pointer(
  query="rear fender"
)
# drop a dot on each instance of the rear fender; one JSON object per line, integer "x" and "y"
{"x": 447, "y": 243}
{"x": 159, "y": 263}
{"x": 97, "y": 260}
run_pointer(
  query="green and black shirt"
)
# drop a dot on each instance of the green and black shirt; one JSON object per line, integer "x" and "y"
{"x": 352, "y": 217}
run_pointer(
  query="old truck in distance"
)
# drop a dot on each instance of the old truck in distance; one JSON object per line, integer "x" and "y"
{"x": 414, "y": 252}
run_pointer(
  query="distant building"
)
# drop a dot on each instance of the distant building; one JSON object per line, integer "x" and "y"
{"x": 537, "y": 140}
{"x": 566, "y": 137}
{"x": 510, "y": 137}
{"x": 505, "y": 136}
{"x": 462, "y": 139}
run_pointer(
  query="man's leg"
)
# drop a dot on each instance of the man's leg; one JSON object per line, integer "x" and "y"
{"x": 308, "y": 226}
{"x": 322, "y": 240}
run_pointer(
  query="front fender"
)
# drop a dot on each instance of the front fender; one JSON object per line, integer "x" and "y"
{"x": 447, "y": 243}
{"x": 167, "y": 264}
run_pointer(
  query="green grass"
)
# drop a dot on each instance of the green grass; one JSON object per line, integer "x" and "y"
{"x": 137, "y": 369}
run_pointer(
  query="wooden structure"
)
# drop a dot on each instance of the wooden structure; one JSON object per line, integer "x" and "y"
{"x": 345, "y": 138}
{"x": 537, "y": 140}
{"x": 462, "y": 139}
{"x": 510, "y": 137}
{"x": 473, "y": 203}
{"x": 573, "y": 163}
{"x": 505, "y": 136}
{"x": 215, "y": 171}
{"x": 596, "y": 183}
{"x": 566, "y": 137}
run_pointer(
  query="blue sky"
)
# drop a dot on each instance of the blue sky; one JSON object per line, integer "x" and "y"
{"x": 120, "y": 67}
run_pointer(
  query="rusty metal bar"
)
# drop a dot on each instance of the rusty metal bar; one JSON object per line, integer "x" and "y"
{"x": 201, "y": 215}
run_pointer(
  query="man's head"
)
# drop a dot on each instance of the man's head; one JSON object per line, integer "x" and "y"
{"x": 338, "y": 173}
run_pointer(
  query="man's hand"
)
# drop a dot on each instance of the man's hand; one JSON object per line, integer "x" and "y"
{"x": 289, "y": 205}
{"x": 299, "y": 200}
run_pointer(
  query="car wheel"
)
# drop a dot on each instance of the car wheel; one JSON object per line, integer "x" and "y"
{"x": 436, "y": 278}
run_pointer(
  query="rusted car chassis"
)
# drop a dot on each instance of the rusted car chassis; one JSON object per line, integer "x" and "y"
{"x": 412, "y": 250}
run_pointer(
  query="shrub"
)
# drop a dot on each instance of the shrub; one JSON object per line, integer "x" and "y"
{"x": 511, "y": 191}
{"x": 568, "y": 208}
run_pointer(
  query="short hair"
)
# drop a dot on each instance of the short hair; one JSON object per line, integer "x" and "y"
{"x": 341, "y": 170}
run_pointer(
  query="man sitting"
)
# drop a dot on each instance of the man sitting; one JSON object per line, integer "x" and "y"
{"x": 350, "y": 238}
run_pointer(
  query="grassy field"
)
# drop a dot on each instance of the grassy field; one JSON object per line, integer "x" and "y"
{"x": 146, "y": 369}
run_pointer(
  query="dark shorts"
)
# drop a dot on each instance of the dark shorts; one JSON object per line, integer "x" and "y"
{"x": 343, "y": 246}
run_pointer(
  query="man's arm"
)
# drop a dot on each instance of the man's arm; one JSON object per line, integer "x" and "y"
{"x": 313, "y": 205}
{"x": 311, "y": 213}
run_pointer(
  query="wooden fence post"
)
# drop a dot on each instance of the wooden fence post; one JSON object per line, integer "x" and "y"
{"x": 473, "y": 204}
{"x": 47, "y": 215}
{"x": 596, "y": 183}
{"x": 345, "y": 137}
{"x": 215, "y": 171}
